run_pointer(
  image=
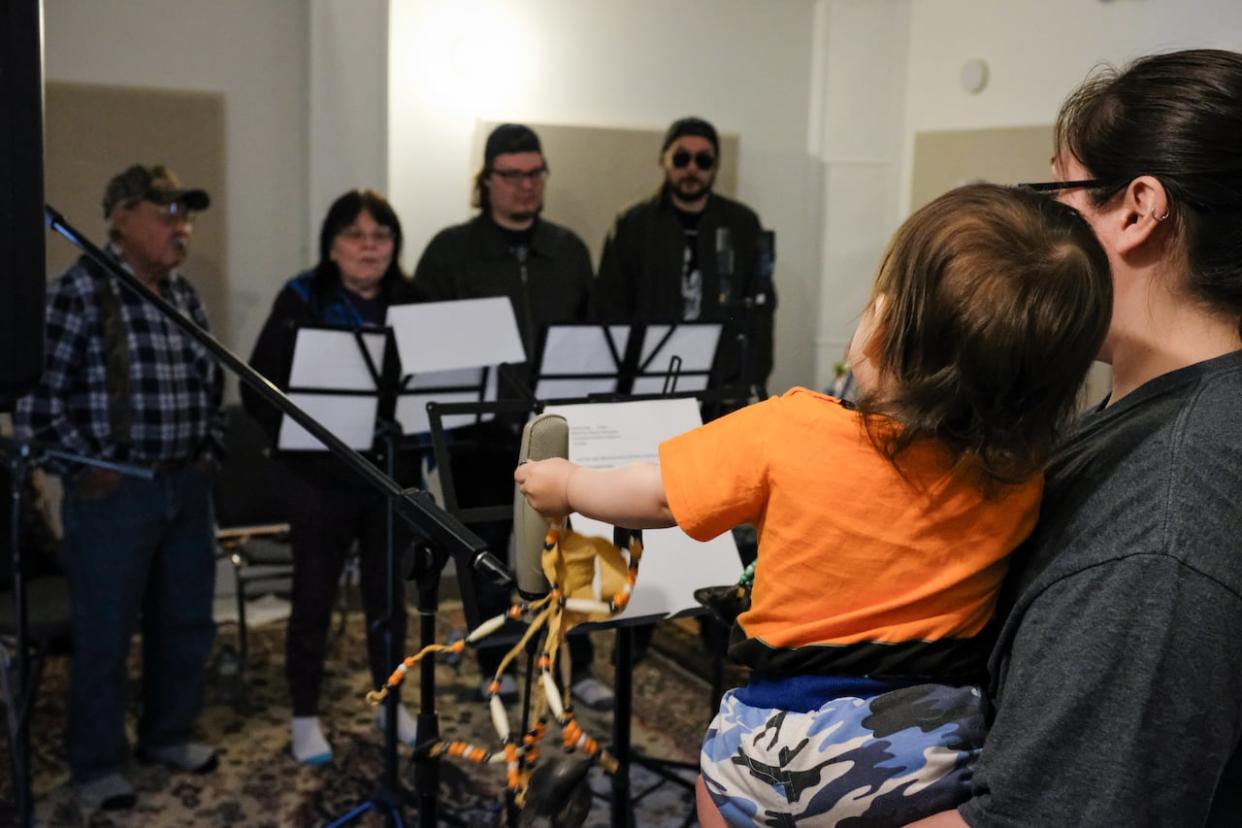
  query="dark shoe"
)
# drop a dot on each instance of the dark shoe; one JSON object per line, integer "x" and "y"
{"x": 594, "y": 694}
{"x": 107, "y": 793}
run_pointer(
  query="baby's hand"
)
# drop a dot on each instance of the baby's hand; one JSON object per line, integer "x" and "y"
{"x": 545, "y": 483}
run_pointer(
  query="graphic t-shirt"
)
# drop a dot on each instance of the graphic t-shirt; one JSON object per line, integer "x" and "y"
{"x": 691, "y": 268}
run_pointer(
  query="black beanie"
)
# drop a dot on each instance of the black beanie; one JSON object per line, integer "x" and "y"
{"x": 508, "y": 138}
{"x": 691, "y": 126}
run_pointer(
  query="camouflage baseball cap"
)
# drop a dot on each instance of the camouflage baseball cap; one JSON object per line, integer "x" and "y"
{"x": 155, "y": 183}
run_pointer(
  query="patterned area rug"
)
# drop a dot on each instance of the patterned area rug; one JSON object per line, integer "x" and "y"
{"x": 259, "y": 784}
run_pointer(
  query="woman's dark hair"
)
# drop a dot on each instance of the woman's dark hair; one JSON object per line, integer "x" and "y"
{"x": 1176, "y": 117}
{"x": 343, "y": 213}
{"x": 995, "y": 302}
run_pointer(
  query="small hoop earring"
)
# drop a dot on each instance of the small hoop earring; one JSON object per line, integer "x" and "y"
{"x": 1160, "y": 218}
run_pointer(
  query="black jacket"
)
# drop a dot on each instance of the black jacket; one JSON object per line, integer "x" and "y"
{"x": 640, "y": 277}
{"x": 473, "y": 261}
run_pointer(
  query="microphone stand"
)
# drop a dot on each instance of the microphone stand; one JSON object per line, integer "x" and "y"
{"x": 414, "y": 506}
{"x": 23, "y": 456}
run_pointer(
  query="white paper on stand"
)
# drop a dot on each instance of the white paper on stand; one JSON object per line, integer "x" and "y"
{"x": 674, "y": 565}
{"x": 568, "y": 389}
{"x": 468, "y": 333}
{"x": 458, "y": 378}
{"x": 694, "y": 343}
{"x": 351, "y": 418}
{"x": 327, "y": 359}
{"x": 411, "y": 410}
{"x": 580, "y": 349}
{"x": 655, "y": 385}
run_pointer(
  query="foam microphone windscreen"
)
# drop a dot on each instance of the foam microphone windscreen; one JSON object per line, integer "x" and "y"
{"x": 544, "y": 437}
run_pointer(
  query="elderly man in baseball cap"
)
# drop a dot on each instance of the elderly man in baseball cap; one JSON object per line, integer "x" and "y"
{"x": 123, "y": 384}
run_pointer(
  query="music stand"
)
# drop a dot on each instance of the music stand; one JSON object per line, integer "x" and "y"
{"x": 344, "y": 387}
{"x": 449, "y": 351}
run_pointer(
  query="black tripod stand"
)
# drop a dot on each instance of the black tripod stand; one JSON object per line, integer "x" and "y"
{"x": 23, "y": 456}
{"x": 389, "y": 798}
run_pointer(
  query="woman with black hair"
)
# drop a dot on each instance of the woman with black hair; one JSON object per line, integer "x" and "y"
{"x": 1117, "y": 675}
{"x": 357, "y": 277}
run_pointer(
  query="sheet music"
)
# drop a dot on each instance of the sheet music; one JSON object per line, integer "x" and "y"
{"x": 606, "y": 435}
{"x": 351, "y": 418}
{"x": 695, "y": 343}
{"x": 580, "y": 349}
{"x": 446, "y": 379}
{"x": 411, "y": 410}
{"x": 331, "y": 360}
{"x": 655, "y": 384}
{"x": 565, "y": 389}
{"x": 444, "y": 336}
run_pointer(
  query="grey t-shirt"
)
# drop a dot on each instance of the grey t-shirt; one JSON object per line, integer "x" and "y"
{"x": 1117, "y": 674}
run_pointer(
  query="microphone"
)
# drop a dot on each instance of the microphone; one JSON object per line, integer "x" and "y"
{"x": 543, "y": 437}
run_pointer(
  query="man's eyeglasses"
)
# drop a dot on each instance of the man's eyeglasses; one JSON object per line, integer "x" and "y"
{"x": 512, "y": 177}
{"x": 356, "y": 235}
{"x": 172, "y": 213}
{"x": 704, "y": 160}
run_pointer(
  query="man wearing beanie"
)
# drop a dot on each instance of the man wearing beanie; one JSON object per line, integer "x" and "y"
{"x": 124, "y": 384}
{"x": 508, "y": 249}
{"x": 544, "y": 269}
{"x": 689, "y": 254}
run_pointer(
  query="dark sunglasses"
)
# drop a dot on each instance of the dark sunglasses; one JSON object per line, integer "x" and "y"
{"x": 704, "y": 160}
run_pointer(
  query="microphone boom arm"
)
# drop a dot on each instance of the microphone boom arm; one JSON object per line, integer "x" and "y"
{"x": 414, "y": 506}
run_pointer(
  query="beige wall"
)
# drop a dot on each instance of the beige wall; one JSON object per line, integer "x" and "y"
{"x": 127, "y": 125}
{"x": 253, "y": 56}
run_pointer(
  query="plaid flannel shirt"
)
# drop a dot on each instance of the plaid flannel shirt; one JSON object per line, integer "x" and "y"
{"x": 176, "y": 387}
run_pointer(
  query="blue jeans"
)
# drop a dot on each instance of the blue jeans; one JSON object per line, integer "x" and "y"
{"x": 144, "y": 550}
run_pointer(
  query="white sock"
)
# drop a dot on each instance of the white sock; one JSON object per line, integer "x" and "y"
{"x": 309, "y": 745}
{"x": 407, "y": 727}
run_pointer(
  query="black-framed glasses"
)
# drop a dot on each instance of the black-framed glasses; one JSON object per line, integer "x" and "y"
{"x": 511, "y": 177}
{"x": 702, "y": 159}
{"x": 1083, "y": 183}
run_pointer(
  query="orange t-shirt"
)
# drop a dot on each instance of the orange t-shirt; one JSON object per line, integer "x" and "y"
{"x": 860, "y": 570}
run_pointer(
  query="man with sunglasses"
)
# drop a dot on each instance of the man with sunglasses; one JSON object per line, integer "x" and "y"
{"x": 122, "y": 383}
{"x": 544, "y": 269}
{"x": 690, "y": 254}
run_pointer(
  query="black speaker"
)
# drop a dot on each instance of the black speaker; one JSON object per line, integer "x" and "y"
{"x": 23, "y": 282}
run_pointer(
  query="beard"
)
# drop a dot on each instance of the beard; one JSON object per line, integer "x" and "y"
{"x": 691, "y": 188}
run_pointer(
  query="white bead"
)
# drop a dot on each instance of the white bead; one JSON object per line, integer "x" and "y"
{"x": 552, "y": 695}
{"x": 486, "y": 628}
{"x": 500, "y": 719}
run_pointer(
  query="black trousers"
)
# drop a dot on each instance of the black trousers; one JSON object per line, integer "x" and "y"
{"x": 324, "y": 524}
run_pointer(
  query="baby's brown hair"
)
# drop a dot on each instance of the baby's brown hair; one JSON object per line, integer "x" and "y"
{"x": 996, "y": 301}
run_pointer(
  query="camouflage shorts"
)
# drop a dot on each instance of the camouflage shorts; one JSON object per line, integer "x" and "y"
{"x": 885, "y": 760}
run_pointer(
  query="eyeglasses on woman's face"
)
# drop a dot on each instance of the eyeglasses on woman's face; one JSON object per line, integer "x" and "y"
{"x": 356, "y": 235}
